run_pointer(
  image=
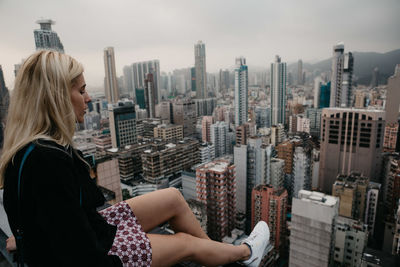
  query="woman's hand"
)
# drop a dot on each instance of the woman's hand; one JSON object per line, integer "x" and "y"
{"x": 11, "y": 244}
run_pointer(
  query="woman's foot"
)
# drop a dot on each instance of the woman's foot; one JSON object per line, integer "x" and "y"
{"x": 257, "y": 242}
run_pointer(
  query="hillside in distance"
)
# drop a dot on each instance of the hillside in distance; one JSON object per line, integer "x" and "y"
{"x": 364, "y": 64}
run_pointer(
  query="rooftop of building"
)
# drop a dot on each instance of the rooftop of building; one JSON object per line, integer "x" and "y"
{"x": 355, "y": 178}
{"x": 317, "y": 198}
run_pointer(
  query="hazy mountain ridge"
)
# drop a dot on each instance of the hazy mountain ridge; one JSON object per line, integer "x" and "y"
{"x": 364, "y": 64}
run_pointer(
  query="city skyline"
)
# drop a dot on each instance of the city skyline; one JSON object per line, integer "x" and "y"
{"x": 252, "y": 29}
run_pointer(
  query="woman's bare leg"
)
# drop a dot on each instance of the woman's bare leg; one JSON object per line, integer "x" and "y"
{"x": 164, "y": 205}
{"x": 171, "y": 249}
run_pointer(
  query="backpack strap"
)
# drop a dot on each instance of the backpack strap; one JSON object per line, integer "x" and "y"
{"x": 19, "y": 235}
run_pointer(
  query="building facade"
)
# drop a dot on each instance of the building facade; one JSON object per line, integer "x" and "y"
{"x": 122, "y": 123}
{"x": 351, "y": 140}
{"x": 216, "y": 188}
{"x": 269, "y": 204}
{"x": 200, "y": 70}
{"x": 111, "y": 84}
{"x": 278, "y": 91}
{"x": 241, "y": 91}
{"x": 46, "y": 38}
{"x": 341, "y": 79}
{"x": 312, "y": 229}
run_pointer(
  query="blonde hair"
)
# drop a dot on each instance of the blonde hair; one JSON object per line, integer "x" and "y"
{"x": 40, "y": 104}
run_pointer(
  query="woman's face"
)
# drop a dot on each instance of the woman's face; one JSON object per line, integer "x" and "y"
{"x": 79, "y": 98}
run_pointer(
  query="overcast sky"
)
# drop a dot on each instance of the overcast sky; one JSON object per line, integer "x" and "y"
{"x": 168, "y": 29}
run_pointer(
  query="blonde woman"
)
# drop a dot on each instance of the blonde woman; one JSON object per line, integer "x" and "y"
{"x": 51, "y": 200}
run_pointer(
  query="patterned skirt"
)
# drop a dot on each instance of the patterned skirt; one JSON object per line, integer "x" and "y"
{"x": 131, "y": 243}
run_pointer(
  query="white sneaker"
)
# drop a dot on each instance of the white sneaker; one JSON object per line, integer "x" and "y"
{"x": 257, "y": 241}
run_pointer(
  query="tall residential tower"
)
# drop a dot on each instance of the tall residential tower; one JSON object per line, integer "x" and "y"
{"x": 200, "y": 70}
{"x": 46, "y": 38}
{"x": 111, "y": 84}
{"x": 278, "y": 91}
{"x": 341, "y": 79}
{"x": 241, "y": 91}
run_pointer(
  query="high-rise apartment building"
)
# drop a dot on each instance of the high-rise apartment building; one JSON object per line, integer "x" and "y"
{"x": 263, "y": 116}
{"x": 277, "y": 173}
{"x": 392, "y": 135}
{"x": 122, "y": 123}
{"x": 314, "y": 115}
{"x": 46, "y": 38}
{"x": 242, "y": 134}
{"x": 312, "y": 229}
{"x": 341, "y": 79}
{"x": 207, "y": 152}
{"x": 252, "y": 168}
{"x": 216, "y": 188}
{"x": 317, "y": 91}
{"x": 391, "y": 183}
{"x": 278, "y": 91}
{"x": 150, "y": 95}
{"x": 139, "y": 71}
{"x": 184, "y": 113}
{"x": 241, "y": 91}
{"x": 277, "y": 134}
{"x": 200, "y": 70}
{"x": 220, "y": 138}
{"x": 391, "y": 139}
{"x": 325, "y": 95}
{"x": 302, "y": 167}
{"x": 205, "y": 107}
{"x": 351, "y": 140}
{"x": 359, "y": 99}
{"x": 352, "y": 193}
{"x": 371, "y": 206}
{"x": 269, "y": 204}
{"x": 206, "y": 123}
{"x": 351, "y": 238}
{"x": 393, "y": 97}
{"x": 110, "y": 81}
{"x": 224, "y": 80}
{"x": 300, "y": 72}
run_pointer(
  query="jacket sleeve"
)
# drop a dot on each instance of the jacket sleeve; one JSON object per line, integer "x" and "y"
{"x": 60, "y": 216}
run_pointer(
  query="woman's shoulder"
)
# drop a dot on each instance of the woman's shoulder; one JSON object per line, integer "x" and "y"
{"x": 46, "y": 151}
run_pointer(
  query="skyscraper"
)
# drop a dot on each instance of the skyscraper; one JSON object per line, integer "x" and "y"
{"x": 149, "y": 95}
{"x": 122, "y": 123}
{"x": 241, "y": 91}
{"x": 223, "y": 80}
{"x": 200, "y": 70}
{"x": 317, "y": 91}
{"x": 252, "y": 168}
{"x": 139, "y": 72}
{"x": 341, "y": 79}
{"x": 46, "y": 38}
{"x": 206, "y": 123}
{"x": 392, "y": 134}
{"x": 111, "y": 84}
{"x": 300, "y": 72}
{"x": 278, "y": 91}
{"x": 351, "y": 140}
{"x": 184, "y": 113}
{"x": 216, "y": 187}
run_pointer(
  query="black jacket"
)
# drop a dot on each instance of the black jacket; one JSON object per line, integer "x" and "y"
{"x": 58, "y": 230}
